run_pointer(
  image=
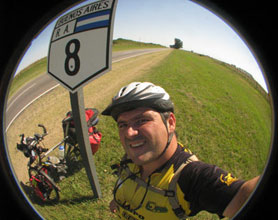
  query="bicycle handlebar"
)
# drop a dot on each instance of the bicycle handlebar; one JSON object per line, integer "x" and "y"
{"x": 37, "y": 137}
{"x": 22, "y": 138}
{"x": 44, "y": 130}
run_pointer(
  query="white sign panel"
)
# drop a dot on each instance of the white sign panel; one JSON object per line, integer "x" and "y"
{"x": 81, "y": 43}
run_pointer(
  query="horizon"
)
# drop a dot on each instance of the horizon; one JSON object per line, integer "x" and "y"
{"x": 201, "y": 31}
{"x": 238, "y": 68}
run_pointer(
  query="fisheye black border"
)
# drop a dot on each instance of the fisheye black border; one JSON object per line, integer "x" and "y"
{"x": 255, "y": 21}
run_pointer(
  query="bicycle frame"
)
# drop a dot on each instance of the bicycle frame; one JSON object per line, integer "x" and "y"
{"x": 42, "y": 184}
{"x": 53, "y": 148}
{"x": 44, "y": 174}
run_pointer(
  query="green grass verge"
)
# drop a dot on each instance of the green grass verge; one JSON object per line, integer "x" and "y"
{"x": 123, "y": 44}
{"x": 222, "y": 118}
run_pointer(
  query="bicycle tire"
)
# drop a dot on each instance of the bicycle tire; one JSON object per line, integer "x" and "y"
{"x": 72, "y": 152}
{"x": 51, "y": 193}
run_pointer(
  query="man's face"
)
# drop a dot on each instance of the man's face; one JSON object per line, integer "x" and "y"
{"x": 143, "y": 134}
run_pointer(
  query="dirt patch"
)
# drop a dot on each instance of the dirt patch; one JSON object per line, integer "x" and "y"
{"x": 51, "y": 108}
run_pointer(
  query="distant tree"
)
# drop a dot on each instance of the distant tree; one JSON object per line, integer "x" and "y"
{"x": 178, "y": 44}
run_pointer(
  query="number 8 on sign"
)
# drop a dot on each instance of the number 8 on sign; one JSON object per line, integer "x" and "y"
{"x": 72, "y": 62}
{"x": 80, "y": 48}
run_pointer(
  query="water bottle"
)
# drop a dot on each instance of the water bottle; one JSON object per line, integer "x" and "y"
{"x": 61, "y": 154}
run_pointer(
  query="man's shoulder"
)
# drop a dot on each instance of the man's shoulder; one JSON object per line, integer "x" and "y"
{"x": 182, "y": 156}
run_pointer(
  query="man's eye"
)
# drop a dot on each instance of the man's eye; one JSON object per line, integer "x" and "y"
{"x": 141, "y": 121}
{"x": 122, "y": 125}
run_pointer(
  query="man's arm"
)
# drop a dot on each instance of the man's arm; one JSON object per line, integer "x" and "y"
{"x": 239, "y": 199}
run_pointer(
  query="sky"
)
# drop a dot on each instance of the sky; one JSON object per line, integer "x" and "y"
{"x": 161, "y": 21}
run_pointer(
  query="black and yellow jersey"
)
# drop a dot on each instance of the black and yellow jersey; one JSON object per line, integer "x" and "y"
{"x": 200, "y": 186}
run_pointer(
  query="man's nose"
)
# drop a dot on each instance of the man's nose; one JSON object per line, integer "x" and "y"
{"x": 132, "y": 131}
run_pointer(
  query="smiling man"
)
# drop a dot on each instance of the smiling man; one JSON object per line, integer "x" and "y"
{"x": 158, "y": 177}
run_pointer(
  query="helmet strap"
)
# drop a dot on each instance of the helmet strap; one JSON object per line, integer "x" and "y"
{"x": 170, "y": 135}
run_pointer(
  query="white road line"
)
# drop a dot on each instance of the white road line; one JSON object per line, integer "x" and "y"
{"x": 30, "y": 104}
{"x": 115, "y": 61}
{"x": 10, "y": 104}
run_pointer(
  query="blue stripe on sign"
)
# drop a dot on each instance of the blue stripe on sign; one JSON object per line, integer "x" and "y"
{"x": 97, "y": 24}
{"x": 93, "y": 15}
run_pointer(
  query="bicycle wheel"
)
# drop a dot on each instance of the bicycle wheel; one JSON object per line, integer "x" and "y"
{"x": 44, "y": 186}
{"x": 73, "y": 159}
{"x": 36, "y": 183}
{"x": 72, "y": 152}
{"x": 52, "y": 190}
{"x": 33, "y": 172}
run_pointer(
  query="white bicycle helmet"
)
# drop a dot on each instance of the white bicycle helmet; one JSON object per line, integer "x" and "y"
{"x": 139, "y": 94}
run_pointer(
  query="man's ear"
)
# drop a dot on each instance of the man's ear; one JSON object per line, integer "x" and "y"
{"x": 171, "y": 122}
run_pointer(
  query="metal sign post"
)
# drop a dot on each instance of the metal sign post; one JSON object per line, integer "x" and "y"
{"x": 80, "y": 50}
{"x": 77, "y": 105}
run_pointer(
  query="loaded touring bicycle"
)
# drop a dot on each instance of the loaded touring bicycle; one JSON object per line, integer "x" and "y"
{"x": 46, "y": 171}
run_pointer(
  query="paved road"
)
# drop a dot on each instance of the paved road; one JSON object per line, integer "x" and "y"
{"x": 44, "y": 83}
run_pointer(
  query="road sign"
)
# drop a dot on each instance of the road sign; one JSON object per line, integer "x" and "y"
{"x": 80, "y": 46}
{"x": 79, "y": 51}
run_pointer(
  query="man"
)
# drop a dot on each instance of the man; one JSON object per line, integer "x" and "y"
{"x": 158, "y": 177}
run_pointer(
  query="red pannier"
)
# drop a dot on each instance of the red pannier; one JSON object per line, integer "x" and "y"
{"x": 91, "y": 115}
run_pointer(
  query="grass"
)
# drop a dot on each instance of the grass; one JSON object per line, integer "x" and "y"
{"x": 35, "y": 69}
{"x": 224, "y": 119}
{"x": 221, "y": 117}
{"x": 123, "y": 44}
